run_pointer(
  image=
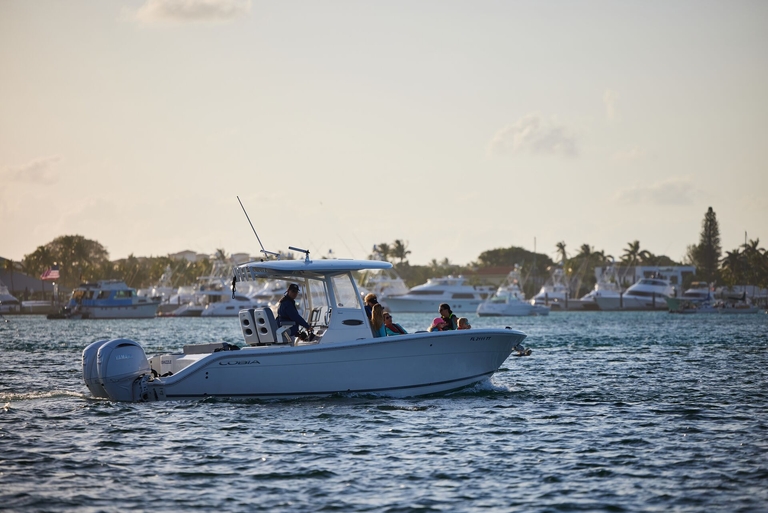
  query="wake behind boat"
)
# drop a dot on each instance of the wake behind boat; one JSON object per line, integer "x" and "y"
{"x": 343, "y": 357}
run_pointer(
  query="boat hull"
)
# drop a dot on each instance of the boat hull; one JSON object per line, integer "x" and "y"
{"x": 631, "y": 303}
{"x": 141, "y": 311}
{"x": 517, "y": 309}
{"x": 402, "y": 366}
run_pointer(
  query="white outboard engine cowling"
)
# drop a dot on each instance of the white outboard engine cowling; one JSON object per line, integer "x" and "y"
{"x": 121, "y": 362}
{"x": 90, "y": 370}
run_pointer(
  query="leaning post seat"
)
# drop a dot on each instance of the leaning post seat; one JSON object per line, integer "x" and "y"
{"x": 248, "y": 325}
{"x": 260, "y": 327}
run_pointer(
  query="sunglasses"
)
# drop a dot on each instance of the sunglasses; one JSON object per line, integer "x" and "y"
{"x": 387, "y": 316}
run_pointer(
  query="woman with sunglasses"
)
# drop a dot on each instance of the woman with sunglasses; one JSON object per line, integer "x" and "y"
{"x": 391, "y": 326}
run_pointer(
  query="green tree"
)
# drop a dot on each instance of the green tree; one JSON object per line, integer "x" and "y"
{"x": 400, "y": 250}
{"x": 634, "y": 255}
{"x": 561, "y": 251}
{"x": 382, "y": 251}
{"x": 38, "y": 261}
{"x": 706, "y": 255}
{"x": 755, "y": 268}
{"x": 733, "y": 267}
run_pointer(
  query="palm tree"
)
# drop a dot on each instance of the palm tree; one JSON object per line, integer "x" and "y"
{"x": 561, "y": 251}
{"x": 400, "y": 250}
{"x": 221, "y": 255}
{"x": 634, "y": 254}
{"x": 733, "y": 267}
{"x": 382, "y": 250}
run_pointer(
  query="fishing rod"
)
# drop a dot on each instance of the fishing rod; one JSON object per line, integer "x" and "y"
{"x": 267, "y": 253}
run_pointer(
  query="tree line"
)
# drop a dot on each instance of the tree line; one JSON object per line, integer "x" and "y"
{"x": 83, "y": 260}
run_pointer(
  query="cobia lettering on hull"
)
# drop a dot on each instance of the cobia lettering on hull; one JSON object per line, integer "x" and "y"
{"x": 241, "y": 362}
{"x": 479, "y": 338}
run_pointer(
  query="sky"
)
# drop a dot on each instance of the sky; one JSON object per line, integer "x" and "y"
{"x": 455, "y": 126}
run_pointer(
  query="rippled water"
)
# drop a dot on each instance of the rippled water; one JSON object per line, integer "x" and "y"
{"x": 614, "y": 411}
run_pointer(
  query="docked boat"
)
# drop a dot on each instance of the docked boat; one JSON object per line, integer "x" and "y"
{"x": 555, "y": 294}
{"x": 228, "y": 304}
{"x": 607, "y": 286}
{"x": 453, "y": 290}
{"x": 509, "y": 300}
{"x": 107, "y": 299}
{"x": 383, "y": 284}
{"x": 702, "y": 301}
{"x": 646, "y": 294}
{"x": 342, "y": 356}
{"x": 697, "y": 295}
{"x": 8, "y": 303}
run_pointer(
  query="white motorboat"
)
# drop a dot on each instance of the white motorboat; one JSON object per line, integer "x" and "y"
{"x": 227, "y": 304}
{"x": 607, "y": 286}
{"x": 509, "y": 300}
{"x": 429, "y": 296}
{"x": 8, "y": 303}
{"x": 343, "y": 357}
{"x": 384, "y": 284}
{"x": 646, "y": 294}
{"x": 107, "y": 299}
{"x": 696, "y": 296}
{"x": 162, "y": 290}
{"x": 555, "y": 294}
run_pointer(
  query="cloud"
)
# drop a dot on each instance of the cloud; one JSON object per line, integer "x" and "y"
{"x": 630, "y": 155}
{"x": 533, "y": 134}
{"x": 611, "y": 100}
{"x": 673, "y": 191}
{"x": 192, "y": 11}
{"x": 39, "y": 170}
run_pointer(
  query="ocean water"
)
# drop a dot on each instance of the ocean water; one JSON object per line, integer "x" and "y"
{"x": 613, "y": 411}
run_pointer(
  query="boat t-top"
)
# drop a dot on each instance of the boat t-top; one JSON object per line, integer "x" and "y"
{"x": 343, "y": 356}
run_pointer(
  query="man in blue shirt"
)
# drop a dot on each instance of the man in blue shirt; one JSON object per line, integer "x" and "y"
{"x": 287, "y": 311}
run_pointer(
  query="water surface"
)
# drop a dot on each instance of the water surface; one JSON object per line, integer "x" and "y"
{"x": 614, "y": 411}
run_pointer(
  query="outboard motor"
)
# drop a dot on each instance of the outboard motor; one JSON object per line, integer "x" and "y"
{"x": 91, "y": 372}
{"x": 120, "y": 363}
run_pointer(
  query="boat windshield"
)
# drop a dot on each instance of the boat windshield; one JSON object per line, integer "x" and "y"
{"x": 344, "y": 291}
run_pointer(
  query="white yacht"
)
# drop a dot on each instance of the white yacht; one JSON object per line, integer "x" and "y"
{"x": 342, "y": 356}
{"x": 646, "y": 294}
{"x": 555, "y": 294}
{"x": 107, "y": 299}
{"x": 162, "y": 290}
{"x": 452, "y": 290}
{"x": 227, "y": 304}
{"x": 384, "y": 284}
{"x": 607, "y": 286}
{"x": 8, "y": 303}
{"x": 509, "y": 300}
{"x": 696, "y": 296}
{"x": 268, "y": 292}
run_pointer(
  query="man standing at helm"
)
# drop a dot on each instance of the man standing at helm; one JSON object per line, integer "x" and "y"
{"x": 287, "y": 311}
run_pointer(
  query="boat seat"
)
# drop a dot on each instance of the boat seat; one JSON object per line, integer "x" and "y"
{"x": 261, "y": 328}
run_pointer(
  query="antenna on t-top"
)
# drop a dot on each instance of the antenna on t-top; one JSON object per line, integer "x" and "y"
{"x": 267, "y": 253}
